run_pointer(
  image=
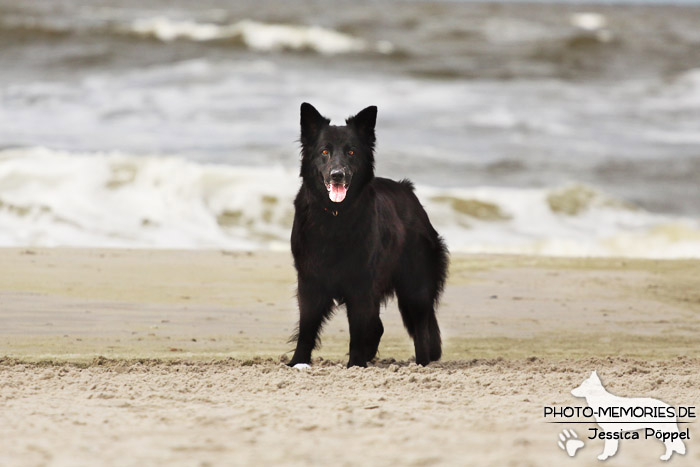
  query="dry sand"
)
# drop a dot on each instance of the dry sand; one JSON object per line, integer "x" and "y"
{"x": 135, "y": 357}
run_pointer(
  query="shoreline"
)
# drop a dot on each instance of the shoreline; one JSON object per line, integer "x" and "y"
{"x": 78, "y": 304}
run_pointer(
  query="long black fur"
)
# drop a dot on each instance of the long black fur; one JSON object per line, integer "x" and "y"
{"x": 376, "y": 242}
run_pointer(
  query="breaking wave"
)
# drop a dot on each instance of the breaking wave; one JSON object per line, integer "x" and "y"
{"x": 55, "y": 198}
{"x": 257, "y": 36}
{"x": 254, "y": 35}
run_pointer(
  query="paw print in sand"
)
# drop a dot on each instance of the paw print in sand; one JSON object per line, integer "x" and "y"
{"x": 569, "y": 442}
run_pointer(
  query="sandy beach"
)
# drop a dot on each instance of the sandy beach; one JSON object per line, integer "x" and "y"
{"x": 144, "y": 357}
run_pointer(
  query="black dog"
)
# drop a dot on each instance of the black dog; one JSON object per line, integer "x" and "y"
{"x": 358, "y": 239}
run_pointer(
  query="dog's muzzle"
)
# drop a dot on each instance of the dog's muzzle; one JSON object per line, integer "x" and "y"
{"x": 338, "y": 186}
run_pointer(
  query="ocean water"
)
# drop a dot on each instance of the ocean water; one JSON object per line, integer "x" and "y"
{"x": 552, "y": 128}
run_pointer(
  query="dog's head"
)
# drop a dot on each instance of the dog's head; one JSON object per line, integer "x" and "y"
{"x": 589, "y": 386}
{"x": 338, "y": 160}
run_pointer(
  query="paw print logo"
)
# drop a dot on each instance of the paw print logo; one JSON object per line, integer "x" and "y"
{"x": 569, "y": 442}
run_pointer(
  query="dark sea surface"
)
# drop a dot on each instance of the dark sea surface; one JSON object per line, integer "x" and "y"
{"x": 555, "y": 128}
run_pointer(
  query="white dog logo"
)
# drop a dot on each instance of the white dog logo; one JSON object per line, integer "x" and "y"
{"x": 597, "y": 397}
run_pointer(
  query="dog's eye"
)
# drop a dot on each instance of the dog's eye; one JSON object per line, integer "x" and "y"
{"x": 351, "y": 153}
{"x": 324, "y": 152}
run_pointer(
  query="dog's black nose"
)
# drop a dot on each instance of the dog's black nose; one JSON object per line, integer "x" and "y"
{"x": 337, "y": 175}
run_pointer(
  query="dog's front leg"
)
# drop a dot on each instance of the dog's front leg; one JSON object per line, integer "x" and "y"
{"x": 609, "y": 450}
{"x": 365, "y": 331}
{"x": 314, "y": 308}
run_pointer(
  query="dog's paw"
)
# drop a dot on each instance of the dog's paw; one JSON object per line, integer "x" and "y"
{"x": 569, "y": 442}
{"x": 302, "y": 366}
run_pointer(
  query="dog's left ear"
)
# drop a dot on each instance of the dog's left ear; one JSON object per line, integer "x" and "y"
{"x": 312, "y": 123}
{"x": 364, "y": 123}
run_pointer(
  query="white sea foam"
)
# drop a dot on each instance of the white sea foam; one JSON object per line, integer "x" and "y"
{"x": 588, "y": 21}
{"x": 53, "y": 198}
{"x": 57, "y": 198}
{"x": 687, "y": 84}
{"x": 258, "y": 36}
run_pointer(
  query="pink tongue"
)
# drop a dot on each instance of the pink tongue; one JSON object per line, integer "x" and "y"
{"x": 337, "y": 193}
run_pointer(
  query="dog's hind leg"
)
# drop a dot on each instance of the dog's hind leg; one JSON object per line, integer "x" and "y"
{"x": 419, "y": 318}
{"x": 418, "y": 314}
{"x": 421, "y": 339}
{"x": 314, "y": 308}
{"x": 418, "y": 282}
{"x": 435, "y": 342}
{"x": 673, "y": 446}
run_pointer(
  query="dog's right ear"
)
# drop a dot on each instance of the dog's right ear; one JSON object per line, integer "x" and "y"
{"x": 312, "y": 123}
{"x": 364, "y": 122}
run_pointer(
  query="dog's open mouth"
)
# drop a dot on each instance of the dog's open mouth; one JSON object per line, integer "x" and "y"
{"x": 337, "y": 191}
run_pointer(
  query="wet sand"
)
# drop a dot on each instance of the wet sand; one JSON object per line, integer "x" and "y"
{"x": 138, "y": 357}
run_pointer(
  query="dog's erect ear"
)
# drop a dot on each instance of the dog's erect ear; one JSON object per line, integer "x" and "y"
{"x": 594, "y": 376}
{"x": 312, "y": 123}
{"x": 364, "y": 123}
